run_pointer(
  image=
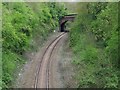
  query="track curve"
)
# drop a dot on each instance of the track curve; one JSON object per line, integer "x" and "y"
{"x": 42, "y": 75}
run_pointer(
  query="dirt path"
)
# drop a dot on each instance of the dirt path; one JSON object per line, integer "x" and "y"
{"x": 55, "y": 72}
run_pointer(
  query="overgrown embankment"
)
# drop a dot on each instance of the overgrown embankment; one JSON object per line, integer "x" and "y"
{"x": 23, "y": 25}
{"x": 94, "y": 41}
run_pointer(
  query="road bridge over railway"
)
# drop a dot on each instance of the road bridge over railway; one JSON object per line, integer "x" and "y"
{"x": 64, "y": 19}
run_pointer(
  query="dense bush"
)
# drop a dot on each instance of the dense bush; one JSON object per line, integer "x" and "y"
{"x": 22, "y": 23}
{"x": 94, "y": 40}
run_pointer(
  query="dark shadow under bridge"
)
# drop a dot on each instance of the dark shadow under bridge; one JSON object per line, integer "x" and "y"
{"x": 64, "y": 19}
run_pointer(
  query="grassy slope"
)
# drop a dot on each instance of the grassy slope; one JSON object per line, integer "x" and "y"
{"x": 94, "y": 65}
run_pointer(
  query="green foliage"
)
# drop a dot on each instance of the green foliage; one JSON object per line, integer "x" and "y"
{"x": 57, "y": 10}
{"x": 16, "y": 28}
{"x": 10, "y": 64}
{"x": 94, "y": 41}
{"x": 24, "y": 22}
{"x": 89, "y": 55}
{"x": 112, "y": 49}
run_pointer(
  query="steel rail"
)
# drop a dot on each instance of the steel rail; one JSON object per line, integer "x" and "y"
{"x": 40, "y": 63}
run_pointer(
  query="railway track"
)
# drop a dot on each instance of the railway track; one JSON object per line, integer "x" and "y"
{"x": 42, "y": 75}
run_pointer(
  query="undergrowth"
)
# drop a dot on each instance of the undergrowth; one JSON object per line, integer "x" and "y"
{"x": 94, "y": 41}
